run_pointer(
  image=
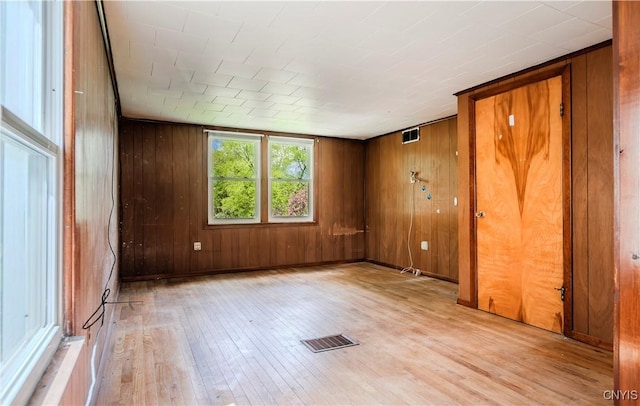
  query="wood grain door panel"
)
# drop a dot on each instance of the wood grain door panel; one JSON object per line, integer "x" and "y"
{"x": 519, "y": 187}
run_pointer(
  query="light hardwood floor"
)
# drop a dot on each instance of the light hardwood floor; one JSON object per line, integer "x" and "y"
{"x": 235, "y": 339}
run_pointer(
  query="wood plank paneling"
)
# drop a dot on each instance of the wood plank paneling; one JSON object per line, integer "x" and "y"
{"x": 390, "y": 197}
{"x": 91, "y": 189}
{"x": 591, "y": 197}
{"x": 180, "y": 194}
{"x": 580, "y": 187}
{"x": 626, "y": 37}
{"x": 600, "y": 192}
{"x": 149, "y": 230}
{"x": 166, "y": 195}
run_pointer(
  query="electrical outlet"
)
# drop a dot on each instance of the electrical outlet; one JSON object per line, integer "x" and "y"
{"x": 424, "y": 245}
{"x": 197, "y": 246}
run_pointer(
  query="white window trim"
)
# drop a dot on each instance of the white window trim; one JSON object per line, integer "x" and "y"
{"x": 310, "y": 142}
{"x": 18, "y": 388}
{"x": 255, "y": 138}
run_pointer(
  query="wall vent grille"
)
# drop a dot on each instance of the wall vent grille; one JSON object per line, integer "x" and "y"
{"x": 411, "y": 135}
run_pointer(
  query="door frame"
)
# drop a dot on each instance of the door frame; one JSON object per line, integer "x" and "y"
{"x": 567, "y": 237}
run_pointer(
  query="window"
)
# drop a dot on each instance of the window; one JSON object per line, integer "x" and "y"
{"x": 236, "y": 178}
{"x": 290, "y": 179}
{"x": 30, "y": 131}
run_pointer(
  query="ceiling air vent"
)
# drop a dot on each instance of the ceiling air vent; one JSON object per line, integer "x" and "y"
{"x": 411, "y": 135}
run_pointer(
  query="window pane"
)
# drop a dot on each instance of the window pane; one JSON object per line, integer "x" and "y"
{"x": 233, "y": 159}
{"x": 21, "y": 42}
{"x": 290, "y": 161}
{"x": 234, "y": 199}
{"x": 289, "y": 199}
{"x": 24, "y": 273}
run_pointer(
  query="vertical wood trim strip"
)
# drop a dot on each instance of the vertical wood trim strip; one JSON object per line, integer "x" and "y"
{"x": 69, "y": 193}
{"x": 567, "y": 237}
{"x": 473, "y": 258}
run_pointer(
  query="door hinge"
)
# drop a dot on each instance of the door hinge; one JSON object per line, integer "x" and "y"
{"x": 563, "y": 291}
{"x": 561, "y": 109}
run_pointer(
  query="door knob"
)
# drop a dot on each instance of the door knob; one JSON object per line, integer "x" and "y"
{"x": 481, "y": 214}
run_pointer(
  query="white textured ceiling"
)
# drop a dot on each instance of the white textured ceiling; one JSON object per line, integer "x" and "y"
{"x": 344, "y": 69}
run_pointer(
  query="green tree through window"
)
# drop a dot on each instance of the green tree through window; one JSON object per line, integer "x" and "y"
{"x": 290, "y": 170}
{"x": 234, "y": 178}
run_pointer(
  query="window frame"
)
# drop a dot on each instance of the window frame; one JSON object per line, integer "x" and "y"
{"x": 44, "y": 137}
{"x": 310, "y": 144}
{"x": 264, "y": 197}
{"x": 231, "y": 136}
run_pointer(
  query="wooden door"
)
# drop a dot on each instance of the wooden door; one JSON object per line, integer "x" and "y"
{"x": 519, "y": 200}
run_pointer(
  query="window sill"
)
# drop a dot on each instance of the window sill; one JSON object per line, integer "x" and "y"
{"x": 56, "y": 379}
{"x": 262, "y": 225}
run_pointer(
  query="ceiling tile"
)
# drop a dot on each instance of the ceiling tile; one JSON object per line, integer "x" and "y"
{"x": 253, "y": 13}
{"x": 228, "y": 52}
{"x": 210, "y": 106}
{"x": 285, "y": 107}
{"x": 179, "y": 102}
{"x": 563, "y": 4}
{"x": 591, "y": 11}
{"x": 245, "y": 94}
{"x": 212, "y": 78}
{"x": 247, "y": 84}
{"x": 398, "y": 16}
{"x": 198, "y": 62}
{"x": 587, "y": 39}
{"x": 254, "y": 104}
{"x": 206, "y": 26}
{"x": 150, "y": 53}
{"x": 309, "y": 103}
{"x": 161, "y": 15}
{"x": 178, "y": 84}
{"x": 179, "y": 41}
{"x": 535, "y": 20}
{"x": 352, "y": 34}
{"x": 571, "y": 28}
{"x": 171, "y": 72}
{"x": 263, "y": 112}
{"x": 221, "y": 91}
{"x": 228, "y": 100}
{"x": 288, "y": 115}
{"x": 238, "y": 69}
{"x": 210, "y": 8}
{"x": 166, "y": 93}
{"x": 279, "y": 88}
{"x": 267, "y": 59}
{"x": 197, "y": 98}
{"x": 237, "y": 109}
{"x": 386, "y": 41}
{"x": 251, "y": 36}
{"x": 494, "y": 14}
{"x": 275, "y": 75}
{"x": 278, "y": 98}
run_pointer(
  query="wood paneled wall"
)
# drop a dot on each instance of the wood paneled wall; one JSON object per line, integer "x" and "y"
{"x": 163, "y": 184}
{"x": 592, "y": 192}
{"x": 90, "y": 171}
{"x": 390, "y": 195}
{"x": 626, "y": 37}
